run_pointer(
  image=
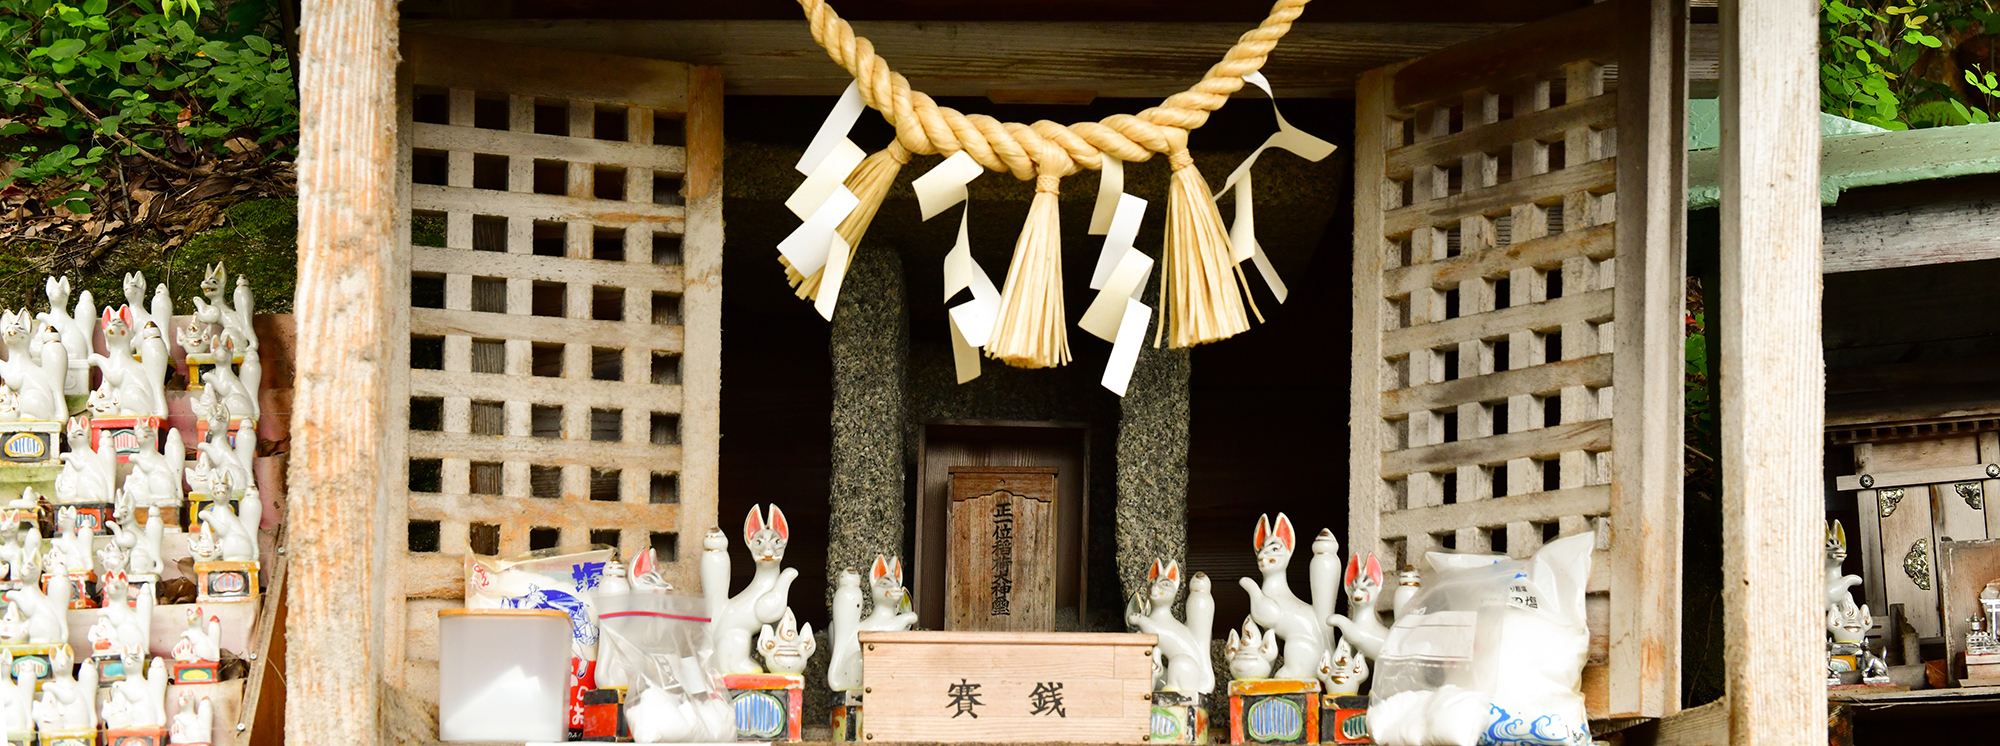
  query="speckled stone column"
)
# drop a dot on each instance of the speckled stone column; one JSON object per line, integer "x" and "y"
{"x": 1153, "y": 466}
{"x": 870, "y": 341}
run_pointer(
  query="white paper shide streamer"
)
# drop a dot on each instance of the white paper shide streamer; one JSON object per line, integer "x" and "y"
{"x": 1116, "y": 315}
{"x": 823, "y": 201}
{"x": 1243, "y": 232}
{"x": 971, "y": 322}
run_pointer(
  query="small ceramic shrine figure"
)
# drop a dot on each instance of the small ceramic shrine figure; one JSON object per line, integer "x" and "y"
{"x": 224, "y": 318}
{"x": 192, "y": 724}
{"x": 136, "y": 709}
{"x": 89, "y": 476}
{"x": 198, "y": 652}
{"x": 787, "y": 648}
{"x": 158, "y": 468}
{"x": 1341, "y": 672}
{"x": 1838, "y": 587}
{"x": 1364, "y": 628}
{"x": 1847, "y": 650}
{"x": 1302, "y": 626}
{"x": 72, "y": 325}
{"x": 643, "y": 576}
{"x": 1984, "y": 639}
{"x": 130, "y": 619}
{"x": 20, "y": 556}
{"x": 159, "y": 312}
{"x": 1183, "y": 645}
{"x": 890, "y": 613}
{"x": 44, "y": 616}
{"x": 1252, "y": 654}
{"x": 68, "y": 706}
{"x": 35, "y": 376}
{"x": 737, "y": 619}
{"x": 138, "y": 386}
{"x": 17, "y": 700}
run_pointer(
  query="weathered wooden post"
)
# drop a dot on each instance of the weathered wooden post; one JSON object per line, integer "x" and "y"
{"x": 1773, "y": 385}
{"x": 345, "y": 619}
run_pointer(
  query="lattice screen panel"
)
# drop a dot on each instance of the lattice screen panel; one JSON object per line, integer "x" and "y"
{"x": 564, "y": 313}
{"x": 1493, "y": 308}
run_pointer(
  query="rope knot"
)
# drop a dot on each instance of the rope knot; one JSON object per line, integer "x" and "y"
{"x": 1180, "y": 159}
{"x": 898, "y": 152}
{"x": 1046, "y": 183}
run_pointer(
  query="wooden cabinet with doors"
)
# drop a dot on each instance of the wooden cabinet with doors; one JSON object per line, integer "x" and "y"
{"x": 1518, "y": 259}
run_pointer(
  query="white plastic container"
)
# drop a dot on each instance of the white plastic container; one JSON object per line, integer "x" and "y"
{"x": 503, "y": 675}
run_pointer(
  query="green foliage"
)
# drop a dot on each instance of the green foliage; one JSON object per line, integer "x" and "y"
{"x": 163, "y": 76}
{"x": 258, "y": 239}
{"x": 1879, "y": 62}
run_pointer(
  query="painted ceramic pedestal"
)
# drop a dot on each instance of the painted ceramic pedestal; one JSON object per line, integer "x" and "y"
{"x": 766, "y": 704}
{"x": 154, "y": 735}
{"x": 1282, "y": 711}
{"x": 604, "y": 715}
{"x": 29, "y": 443}
{"x": 846, "y": 716}
{"x": 122, "y": 434}
{"x": 90, "y": 517}
{"x": 78, "y": 737}
{"x": 194, "y": 672}
{"x": 110, "y": 669}
{"x": 1180, "y": 717}
{"x": 225, "y": 582}
{"x": 35, "y": 654}
{"x": 83, "y": 588}
{"x": 1344, "y": 719}
{"x": 190, "y": 518}
{"x": 201, "y": 430}
{"x": 20, "y": 738}
{"x": 199, "y": 363}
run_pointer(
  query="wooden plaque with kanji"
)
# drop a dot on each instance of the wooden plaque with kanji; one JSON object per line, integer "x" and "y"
{"x": 1001, "y": 562}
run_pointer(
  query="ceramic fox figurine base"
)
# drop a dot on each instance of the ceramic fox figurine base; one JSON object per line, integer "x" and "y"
{"x": 738, "y": 619}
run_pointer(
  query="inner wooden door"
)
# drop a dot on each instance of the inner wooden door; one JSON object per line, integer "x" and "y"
{"x": 945, "y": 444}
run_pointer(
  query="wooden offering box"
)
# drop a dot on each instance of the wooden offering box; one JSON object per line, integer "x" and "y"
{"x": 1001, "y": 561}
{"x": 1007, "y": 687}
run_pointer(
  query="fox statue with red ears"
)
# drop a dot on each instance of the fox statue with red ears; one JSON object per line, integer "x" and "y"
{"x": 738, "y": 619}
{"x": 1272, "y": 605}
{"x": 1364, "y": 629}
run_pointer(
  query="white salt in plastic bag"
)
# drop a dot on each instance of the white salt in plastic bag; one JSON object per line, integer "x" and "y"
{"x": 1490, "y": 653}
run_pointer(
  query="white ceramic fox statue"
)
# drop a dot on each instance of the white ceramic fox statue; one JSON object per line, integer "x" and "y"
{"x": 36, "y": 377}
{"x": 1274, "y": 607}
{"x": 1364, "y": 628}
{"x": 1251, "y": 655}
{"x": 739, "y": 618}
{"x": 140, "y": 386}
{"x": 1183, "y": 645}
{"x": 890, "y": 614}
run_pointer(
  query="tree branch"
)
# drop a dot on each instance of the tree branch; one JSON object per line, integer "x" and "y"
{"x": 183, "y": 170}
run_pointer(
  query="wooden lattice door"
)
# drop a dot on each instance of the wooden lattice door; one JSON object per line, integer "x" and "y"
{"x": 1517, "y": 199}
{"x": 564, "y": 312}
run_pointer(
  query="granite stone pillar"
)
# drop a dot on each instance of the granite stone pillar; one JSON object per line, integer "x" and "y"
{"x": 870, "y": 346}
{"x": 1153, "y": 466}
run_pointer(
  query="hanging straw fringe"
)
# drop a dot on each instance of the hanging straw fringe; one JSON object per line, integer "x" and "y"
{"x": 1031, "y": 331}
{"x": 869, "y": 183}
{"x": 1207, "y": 306}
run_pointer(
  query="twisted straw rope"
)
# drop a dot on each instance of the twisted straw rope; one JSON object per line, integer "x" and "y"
{"x": 1045, "y": 147}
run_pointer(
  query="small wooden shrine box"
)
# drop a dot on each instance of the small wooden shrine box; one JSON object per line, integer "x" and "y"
{"x": 1001, "y": 549}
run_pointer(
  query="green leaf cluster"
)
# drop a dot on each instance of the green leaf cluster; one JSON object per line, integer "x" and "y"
{"x": 1870, "y": 52}
{"x": 167, "y": 76}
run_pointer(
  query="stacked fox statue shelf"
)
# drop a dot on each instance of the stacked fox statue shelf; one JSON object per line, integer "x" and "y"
{"x": 737, "y": 620}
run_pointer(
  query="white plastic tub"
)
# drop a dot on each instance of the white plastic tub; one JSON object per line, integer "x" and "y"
{"x": 503, "y": 675}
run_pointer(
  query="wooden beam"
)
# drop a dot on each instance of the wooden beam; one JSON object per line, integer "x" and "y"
{"x": 1773, "y": 393}
{"x": 701, "y": 392}
{"x": 344, "y": 664}
{"x": 1707, "y": 725}
{"x": 1649, "y": 363}
{"x": 1960, "y": 226}
{"x": 1136, "y": 59}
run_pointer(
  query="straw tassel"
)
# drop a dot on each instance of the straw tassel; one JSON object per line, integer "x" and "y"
{"x": 870, "y": 183}
{"x": 1203, "y": 285}
{"x": 1031, "y": 331}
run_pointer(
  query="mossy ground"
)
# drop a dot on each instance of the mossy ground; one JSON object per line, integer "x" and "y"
{"x": 257, "y": 239}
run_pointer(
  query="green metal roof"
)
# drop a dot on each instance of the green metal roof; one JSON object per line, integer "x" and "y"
{"x": 1852, "y": 154}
